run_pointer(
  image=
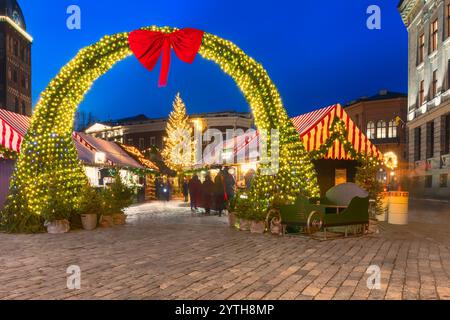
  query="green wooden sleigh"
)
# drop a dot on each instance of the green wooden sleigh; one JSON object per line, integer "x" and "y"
{"x": 319, "y": 216}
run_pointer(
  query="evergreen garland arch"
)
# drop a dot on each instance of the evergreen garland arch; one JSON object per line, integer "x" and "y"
{"x": 48, "y": 156}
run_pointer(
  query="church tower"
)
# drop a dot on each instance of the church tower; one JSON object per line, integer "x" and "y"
{"x": 15, "y": 59}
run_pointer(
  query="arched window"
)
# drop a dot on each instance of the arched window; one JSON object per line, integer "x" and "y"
{"x": 392, "y": 130}
{"x": 381, "y": 129}
{"x": 371, "y": 130}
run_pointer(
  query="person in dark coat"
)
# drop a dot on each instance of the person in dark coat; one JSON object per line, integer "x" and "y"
{"x": 208, "y": 194}
{"x": 159, "y": 186}
{"x": 166, "y": 189}
{"x": 249, "y": 176}
{"x": 185, "y": 190}
{"x": 219, "y": 193}
{"x": 230, "y": 184}
{"x": 195, "y": 192}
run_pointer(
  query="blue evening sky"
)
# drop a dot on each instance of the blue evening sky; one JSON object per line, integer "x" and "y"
{"x": 317, "y": 52}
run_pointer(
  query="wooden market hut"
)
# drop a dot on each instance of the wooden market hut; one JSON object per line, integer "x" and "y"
{"x": 335, "y": 143}
{"x": 333, "y": 140}
{"x": 98, "y": 156}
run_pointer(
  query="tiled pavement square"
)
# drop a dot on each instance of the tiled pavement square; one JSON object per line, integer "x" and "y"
{"x": 165, "y": 253}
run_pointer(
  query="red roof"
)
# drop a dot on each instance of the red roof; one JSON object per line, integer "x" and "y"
{"x": 13, "y": 128}
{"x": 314, "y": 130}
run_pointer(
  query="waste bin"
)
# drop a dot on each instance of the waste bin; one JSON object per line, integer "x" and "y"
{"x": 398, "y": 208}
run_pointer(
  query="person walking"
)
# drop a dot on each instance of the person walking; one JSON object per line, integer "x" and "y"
{"x": 195, "y": 187}
{"x": 219, "y": 193}
{"x": 186, "y": 189}
{"x": 208, "y": 194}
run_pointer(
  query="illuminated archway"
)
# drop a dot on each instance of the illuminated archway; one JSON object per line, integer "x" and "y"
{"x": 49, "y": 158}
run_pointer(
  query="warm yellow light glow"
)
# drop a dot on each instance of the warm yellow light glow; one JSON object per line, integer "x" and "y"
{"x": 198, "y": 124}
{"x": 391, "y": 160}
{"x": 246, "y": 167}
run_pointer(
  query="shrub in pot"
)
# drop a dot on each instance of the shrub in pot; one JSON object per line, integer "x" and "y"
{"x": 243, "y": 212}
{"x": 116, "y": 199}
{"x": 56, "y": 213}
{"x": 257, "y": 219}
{"x": 231, "y": 207}
{"x": 90, "y": 207}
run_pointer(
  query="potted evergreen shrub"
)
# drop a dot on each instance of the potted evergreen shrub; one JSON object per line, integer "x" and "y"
{"x": 257, "y": 224}
{"x": 231, "y": 207}
{"x": 56, "y": 213}
{"x": 243, "y": 213}
{"x": 106, "y": 217}
{"x": 90, "y": 207}
{"x": 118, "y": 197}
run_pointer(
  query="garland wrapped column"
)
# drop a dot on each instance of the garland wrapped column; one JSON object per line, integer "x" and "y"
{"x": 48, "y": 156}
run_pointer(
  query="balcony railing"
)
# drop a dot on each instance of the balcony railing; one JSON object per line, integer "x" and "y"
{"x": 420, "y": 164}
{"x": 445, "y": 161}
{"x": 433, "y": 163}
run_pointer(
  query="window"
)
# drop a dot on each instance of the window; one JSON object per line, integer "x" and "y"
{"x": 448, "y": 19}
{"x": 371, "y": 130}
{"x": 15, "y": 76}
{"x": 421, "y": 53}
{"x": 392, "y": 130}
{"x": 434, "y": 84}
{"x": 443, "y": 181}
{"x": 417, "y": 144}
{"x": 16, "y": 48}
{"x": 445, "y": 148}
{"x": 130, "y": 141}
{"x": 421, "y": 93}
{"x": 381, "y": 129}
{"x": 428, "y": 181}
{"x": 23, "y": 82}
{"x": 24, "y": 108}
{"x": 340, "y": 176}
{"x": 430, "y": 139}
{"x": 16, "y": 105}
{"x": 152, "y": 141}
{"x": 141, "y": 144}
{"x": 434, "y": 36}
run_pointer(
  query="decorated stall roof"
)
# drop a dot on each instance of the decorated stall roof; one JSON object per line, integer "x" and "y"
{"x": 331, "y": 134}
{"x": 327, "y": 133}
{"x": 13, "y": 128}
{"x": 138, "y": 156}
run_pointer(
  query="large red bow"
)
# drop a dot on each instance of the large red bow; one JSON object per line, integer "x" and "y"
{"x": 148, "y": 46}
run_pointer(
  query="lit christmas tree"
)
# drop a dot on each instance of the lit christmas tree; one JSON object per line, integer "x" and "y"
{"x": 179, "y": 146}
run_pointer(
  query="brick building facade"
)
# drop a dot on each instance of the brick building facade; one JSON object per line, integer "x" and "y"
{"x": 428, "y": 24}
{"x": 15, "y": 59}
{"x": 382, "y": 118}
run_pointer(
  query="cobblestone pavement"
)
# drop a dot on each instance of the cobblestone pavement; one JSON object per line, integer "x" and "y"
{"x": 164, "y": 253}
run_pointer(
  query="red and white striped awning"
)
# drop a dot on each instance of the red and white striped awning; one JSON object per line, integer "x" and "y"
{"x": 13, "y": 128}
{"x": 314, "y": 130}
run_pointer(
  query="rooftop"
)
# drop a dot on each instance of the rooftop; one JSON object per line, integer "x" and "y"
{"x": 382, "y": 95}
{"x": 142, "y": 118}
